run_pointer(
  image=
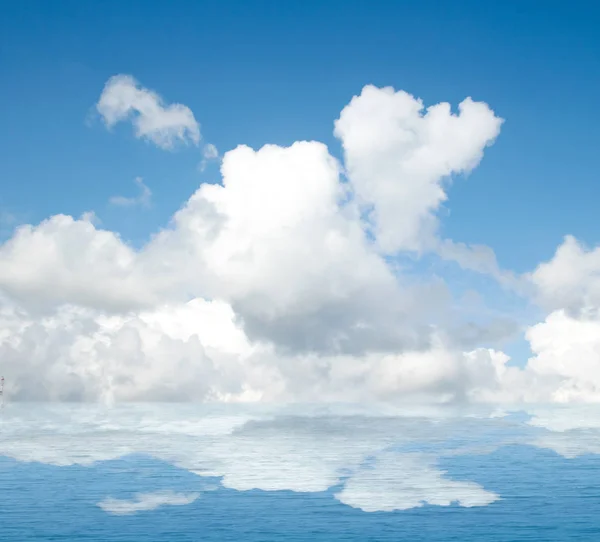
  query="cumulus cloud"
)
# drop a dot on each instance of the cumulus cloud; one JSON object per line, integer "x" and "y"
{"x": 78, "y": 355}
{"x": 567, "y": 351}
{"x": 143, "y": 502}
{"x": 566, "y": 344}
{"x": 398, "y": 154}
{"x": 279, "y": 284}
{"x": 571, "y": 279}
{"x": 273, "y": 241}
{"x": 292, "y": 260}
{"x": 198, "y": 352}
{"x": 64, "y": 260}
{"x": 123, "y": 98}
{"x": 144, "y": 198}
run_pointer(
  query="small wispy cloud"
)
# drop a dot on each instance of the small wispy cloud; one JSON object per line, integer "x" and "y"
{"x": 143, "y": 502}
{"x": 9, "y": 222}
{"x": 144, "y": 198}
{"x": 164, "y": 125}
{"x": 210, "y": 152}
{"x": 7, "y": 219}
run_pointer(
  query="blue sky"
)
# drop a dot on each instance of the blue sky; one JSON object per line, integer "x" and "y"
{"x": 265, "y": 289}
{"x": 258, "y": 72}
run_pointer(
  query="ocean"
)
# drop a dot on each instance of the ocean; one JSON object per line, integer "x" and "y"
{"x": 174, "y": 473}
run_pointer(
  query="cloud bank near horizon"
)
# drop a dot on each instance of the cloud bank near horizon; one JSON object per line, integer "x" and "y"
{"x": 283, "y": 282}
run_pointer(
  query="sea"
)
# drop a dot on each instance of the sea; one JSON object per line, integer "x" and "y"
{"x": 266, "y": 473}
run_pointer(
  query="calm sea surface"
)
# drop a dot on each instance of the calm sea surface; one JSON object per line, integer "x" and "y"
{"x": 344, "y": 473}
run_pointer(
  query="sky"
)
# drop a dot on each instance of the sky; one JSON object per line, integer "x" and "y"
{"x": 267, "y": 201}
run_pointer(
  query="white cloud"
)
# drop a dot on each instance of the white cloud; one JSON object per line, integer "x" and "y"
{"x": 198, "y": 352}
{"x": 307, "y": 306}
{"x": 209, "y": 152}
{"x": 190, "y": 352}
{"x": 481, "y": 259}
{"x": 293, "y": 262}
{"x": 397, "y": 156}
{"x": 571, "y": 279}
{"x": 273, "y": 241}
{"x": 67, "y": 261}
{"x": 144, "y": 198}
{"x": 566, "y": 344}
{"x": 165, "y": 125}
{"x": 143, "y": 502}
{"x": 567, "y": 353}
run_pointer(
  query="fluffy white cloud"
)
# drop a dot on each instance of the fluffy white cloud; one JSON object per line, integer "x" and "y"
{"x": 197, "y": 352}
{"x": 567, "y": 352}
{"x": 291, "y": 258}
{"x": 165, "y": 125}
{"x": 271, "y": 286}
{"x": 273, "y": 240}
{"x": 143, "y": 199}
{"x": 397, "y": 156}
{"x": 190, "y": 352}
{"x": 571, "y": 279}
{"x": 67, "y": 261}
{"x": 143, "y": 502}
{"x": 566, "y": 345}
